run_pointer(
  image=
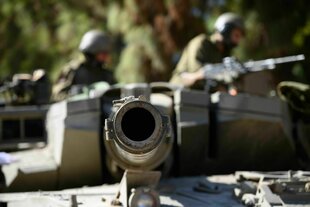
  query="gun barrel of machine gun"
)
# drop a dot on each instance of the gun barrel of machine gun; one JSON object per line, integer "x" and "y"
{"x": 253, "y": 66}
{"x": 232, "y": 67}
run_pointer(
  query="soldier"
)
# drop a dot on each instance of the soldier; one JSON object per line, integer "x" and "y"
{"x": 96, "y": 47}
{"x": 229, "y": 30}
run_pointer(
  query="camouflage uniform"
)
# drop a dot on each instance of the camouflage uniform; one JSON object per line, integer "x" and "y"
{"x": 198, "y": 52}
{"x": 229, "y": 29}
{"x": 80, "y": 73}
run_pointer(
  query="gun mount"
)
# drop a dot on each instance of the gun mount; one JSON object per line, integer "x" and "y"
{"x": 136, "y": 134}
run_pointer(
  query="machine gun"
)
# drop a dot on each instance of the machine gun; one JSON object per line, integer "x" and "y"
{"x": 26, "y": 89}
{"x": 19, "y": 90}
{"x": 137, "y": 140}
{"x": 230, "y": 67}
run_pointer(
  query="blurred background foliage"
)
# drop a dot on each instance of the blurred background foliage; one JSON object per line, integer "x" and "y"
{"x": 150, "y": 34}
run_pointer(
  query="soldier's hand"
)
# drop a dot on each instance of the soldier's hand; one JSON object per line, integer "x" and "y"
{"x": 188, "y": 79}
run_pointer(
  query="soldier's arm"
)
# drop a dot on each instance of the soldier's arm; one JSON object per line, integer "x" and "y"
{"x": 63, "y": 85}
{"x": 188, "y": 70}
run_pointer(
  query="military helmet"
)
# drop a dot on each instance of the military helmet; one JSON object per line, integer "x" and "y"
{"x": 227, "y": 22}
{"x": 95, "y": 41}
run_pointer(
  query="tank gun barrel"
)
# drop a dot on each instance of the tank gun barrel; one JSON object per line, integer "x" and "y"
{"x": 136, "y": 134}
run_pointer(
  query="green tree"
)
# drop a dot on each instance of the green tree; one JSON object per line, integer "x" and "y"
{"x": 46, "y": 34}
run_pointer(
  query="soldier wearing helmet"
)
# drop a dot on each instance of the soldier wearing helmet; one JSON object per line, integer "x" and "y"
{"x": 229, "y": 30}
{"x": 96, "y": 47}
